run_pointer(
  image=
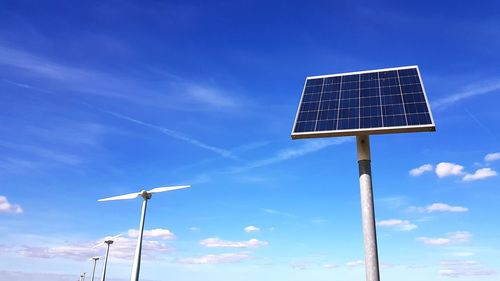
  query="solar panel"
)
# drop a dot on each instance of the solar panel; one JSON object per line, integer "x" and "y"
{"x": 391, "y": 100}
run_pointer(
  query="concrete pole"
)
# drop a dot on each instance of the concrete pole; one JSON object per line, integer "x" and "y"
{"x": 93, "y": 269}
{"x": 367, "y": 209}
{"x": 103, "y": 276}
{"x": 137, "y": 258}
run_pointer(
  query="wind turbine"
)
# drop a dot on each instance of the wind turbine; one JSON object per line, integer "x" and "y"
{"x": 107, "y": 242}
{"x": 146, "y": 195}
{"x": 93, "y": 269}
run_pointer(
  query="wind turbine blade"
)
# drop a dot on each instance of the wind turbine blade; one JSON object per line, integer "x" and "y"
{"x": 112, "y": 238}
{"x": 116, "y": 236}
{"x": 167, "y": 188}
{"x": 122, "y": 197}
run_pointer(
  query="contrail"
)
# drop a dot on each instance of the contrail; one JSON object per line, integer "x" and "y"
{"x": 474, "y": 90}
{"x": 176, "y": 135}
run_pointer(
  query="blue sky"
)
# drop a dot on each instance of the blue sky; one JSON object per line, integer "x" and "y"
{"x": 108, "y": 97}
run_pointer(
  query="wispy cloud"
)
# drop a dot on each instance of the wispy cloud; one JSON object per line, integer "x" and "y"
{"x": 40, "y": 66}
{"x": 176, "y": 135}
{"x": 174, "y": 92}
{"x": 464, "y": 268}
{"x": 43, "y": 153}
{"x": 471, "y": 91}
{"x": 420, "y": 170}
{"x": 451, "y": 238}
{"x": 439, "y": 207}
{"x": 279, "y": 213}
{"x": 400, "y": 225}
{"x": 9, "y": 208}
{"x": 153, "y": 233}
{"x": 210, "y": 96}
{"x": 216, "y": 259}
{"x": 218, "y": 243}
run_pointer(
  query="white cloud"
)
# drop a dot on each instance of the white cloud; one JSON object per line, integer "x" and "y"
{"x": 401, "y": 225}
{"x": 464, "y": 254}
{"x": 41, "y": 276}
{"x": 251, "y": 228}
{"x": 302, "y": 265}
{"x": 480, "y": 174}
{"x": 355, "y": 263}
{"x": 492, "y": 157}
{"x": 445, "y": 169}
{"x": 329, "y": 266}
{"x": 216, "y": 259}
{"x": 464, "y": 268}
{"x": 122, "y": 248}
{"x": 420, "y": 170}
{"x": 218, "y": 243}
{"x": 434, "y": 241}
{"x": 153, "y": 233}
{"x": 7, "y": 207}
{"x": 194, "y": 228}
{"x": 460, "y": 236}
{"x": 319, "y": 221}
{"x": 451, "y": 238}
{"x": 442, "y": 207}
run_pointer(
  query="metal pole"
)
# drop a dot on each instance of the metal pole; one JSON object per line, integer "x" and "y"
{"x": 367, "y": 208}
{"x": 103, "y": 276}
{"x": 137, "y": 258}
{"x": 93, "y": 270}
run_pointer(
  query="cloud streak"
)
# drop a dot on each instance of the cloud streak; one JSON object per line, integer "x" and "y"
{"x": 471, "y": 91}
{"x": 176, "y": 135}
{"x": 309, "y": 146}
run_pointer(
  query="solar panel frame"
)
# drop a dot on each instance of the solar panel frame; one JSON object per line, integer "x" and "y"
{"x": 364, "y": 131}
